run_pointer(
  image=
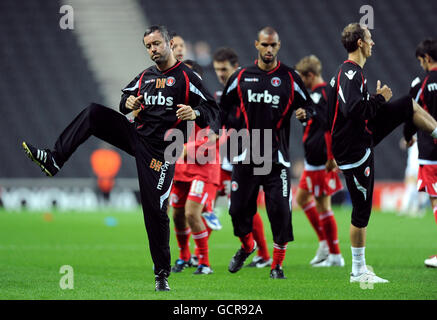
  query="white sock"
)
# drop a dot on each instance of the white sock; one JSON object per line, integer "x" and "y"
{"x": 358, "y": 261}
{"x": 434, "y": 133}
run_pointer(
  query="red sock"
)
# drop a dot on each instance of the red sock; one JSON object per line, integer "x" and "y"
{"x": 329, "y": 224}
{"x": 313, "y": 216}
{"x": 201, "y": 240}
{"x": 258, "y": 235}
{"x": 183, "y": 237}
{"x": 206, "y": 226}
{"x": 247, "y": 242}
{"x": 278, "y": 254}
{"x": 435, "y": 213}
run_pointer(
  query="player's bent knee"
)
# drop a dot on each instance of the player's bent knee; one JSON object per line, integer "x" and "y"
{"x": 95, "y": 110}
{"x": 360, "y": 222}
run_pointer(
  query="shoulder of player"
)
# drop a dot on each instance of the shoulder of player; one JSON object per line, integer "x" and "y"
{"x": 416, "y": 82}
{"x": 351, "y": 71}
{"x": 319, "y": 88}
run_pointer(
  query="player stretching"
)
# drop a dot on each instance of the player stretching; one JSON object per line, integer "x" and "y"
{"x": 320, "y": 178}
{"x": 266, "y": 93}
{"x": 359, "y": 121}
{"x": 425, "y": 93}
{"x": 165, "y": 93}
{"x": 225, "y": 61}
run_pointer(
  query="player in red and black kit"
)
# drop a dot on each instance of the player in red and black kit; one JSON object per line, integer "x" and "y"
{"x": 425, "y": 93}
{"x": 165, "y": 93}
{"x": 320, "y": 178}
{"x": 266, "y": 93}
{"x": 359, "y": 121}
{"x": 225, "y": 61}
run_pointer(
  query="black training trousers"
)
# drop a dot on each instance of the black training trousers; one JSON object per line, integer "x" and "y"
{"x": 155, "y": 175}
{"x": 360, "y": 178}
{"x": 244, "y": 193}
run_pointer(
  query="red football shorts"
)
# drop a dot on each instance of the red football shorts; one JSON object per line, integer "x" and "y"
{"x": 197, "y": 190}
{"x": 427, "y": 179}
{"x": 320, "y": 182}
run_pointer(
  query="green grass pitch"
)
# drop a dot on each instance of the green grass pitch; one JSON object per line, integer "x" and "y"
{"x": 113, "y": 262}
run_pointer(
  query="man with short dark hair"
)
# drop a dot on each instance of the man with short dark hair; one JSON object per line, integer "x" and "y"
{"x": 425, "y": 93}
{"x": 266, "y": 94}
{"x": 225, "y": 61}
{"x": 359, "y": 121}
{"x": 167, "y": 95}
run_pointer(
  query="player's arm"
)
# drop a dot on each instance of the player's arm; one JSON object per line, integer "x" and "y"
{"x": 229, "y": 102}
{"x": 302, "y": 102}
{"x": 351, "y": 99}
{"x": 130, "y": 98}
{"x": 201, "y": 107}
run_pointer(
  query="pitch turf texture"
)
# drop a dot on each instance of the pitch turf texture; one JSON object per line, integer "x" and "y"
{"x": 111, "y": 260}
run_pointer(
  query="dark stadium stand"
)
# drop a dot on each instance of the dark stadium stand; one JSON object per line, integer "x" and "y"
{"x": 45, "y": 79}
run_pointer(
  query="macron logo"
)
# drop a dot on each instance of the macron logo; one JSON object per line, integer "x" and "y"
{"x": 350, "y": 74}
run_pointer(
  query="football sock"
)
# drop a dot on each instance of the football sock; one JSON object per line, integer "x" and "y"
{"x": 313, "y": 216}
{"x": 207, "y": 227}
{"x": 278, "y": 254}
{"x": 183, "y": 238}
{"x": 329, "y": 224}
{"x": 201, "y": 240}
{"x": 247, "y": 242}
{"x": 358, "y": 261}
{"x": 258, "y": 235}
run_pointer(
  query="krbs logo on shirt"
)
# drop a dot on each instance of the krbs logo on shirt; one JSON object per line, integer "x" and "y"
{"x": 276, "y": 82}
{"x": 264, "y": 97}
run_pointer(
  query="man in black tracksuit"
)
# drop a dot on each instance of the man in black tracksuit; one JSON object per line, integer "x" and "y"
{"x": 266, "y": 93}
{"x": 163, "y": 96}
{"x": 359, "y": 121}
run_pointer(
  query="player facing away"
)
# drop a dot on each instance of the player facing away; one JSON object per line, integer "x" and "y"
{"x": 319, "y": 179}
{"x": 425, "y": 93}
{"x": 225, "y": 62}
{"x": 359, "y": 121}
{"x": 168, "y": 94}
{"x": 266, "y": 93}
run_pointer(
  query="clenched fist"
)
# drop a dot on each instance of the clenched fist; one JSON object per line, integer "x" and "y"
{"x": 384, "y": 91}
{"x": 185, "y": 112}
{"x": 133, "y": 102}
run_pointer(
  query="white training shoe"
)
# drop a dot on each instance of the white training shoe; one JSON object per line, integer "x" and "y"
{"x": 431, "y": 262}
{"x": 321, "y": 254}
{"x": 367, "y": 277}
{"x": 333, "y": 260}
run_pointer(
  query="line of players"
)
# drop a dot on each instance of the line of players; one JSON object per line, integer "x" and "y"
{"x": 194, "y": 190}
{"x": 196, "y": 186}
